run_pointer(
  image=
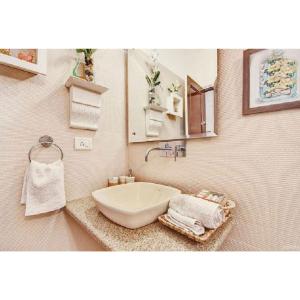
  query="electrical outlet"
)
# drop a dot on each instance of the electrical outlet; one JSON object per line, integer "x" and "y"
{"x": 83, "y": 143}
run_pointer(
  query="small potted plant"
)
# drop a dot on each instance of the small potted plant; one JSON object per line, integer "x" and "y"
{"x": 174, "y": 88}
{"x": 88, "y": 63}
{"x": 153, "y": 82}
{"x": 175, "y": 101}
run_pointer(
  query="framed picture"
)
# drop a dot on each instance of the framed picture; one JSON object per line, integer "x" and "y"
{"x": 30, "y": 60}
{"x": 271, "y": 80}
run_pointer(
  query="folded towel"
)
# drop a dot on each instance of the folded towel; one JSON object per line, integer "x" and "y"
{"x": 43, "y": 187}
{"x": 183, "y": 219}
{"x": 185, "y": 222}
{"x": 211, "y": 215}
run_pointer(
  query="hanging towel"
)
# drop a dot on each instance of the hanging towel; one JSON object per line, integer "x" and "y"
{"x": 43, "y": 188}
{"x": 185, "y": 222}
{"x": 209, "y": 214}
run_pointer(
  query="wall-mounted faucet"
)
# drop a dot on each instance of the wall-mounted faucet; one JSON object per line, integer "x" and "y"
{"x": 169, "y": 149}
{"x": 166, "y": 148}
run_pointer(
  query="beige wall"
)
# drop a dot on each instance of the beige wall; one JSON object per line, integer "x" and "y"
{"x": 32, "y": 106}
{"x": 255, "y": 160}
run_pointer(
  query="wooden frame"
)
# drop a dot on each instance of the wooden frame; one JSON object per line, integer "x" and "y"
{"x": 37, "y": 68}
{"x": 247, "y": 110}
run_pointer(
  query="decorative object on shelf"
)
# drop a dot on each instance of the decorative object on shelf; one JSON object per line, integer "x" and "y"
{"x": 174, "y": 88}
{"x": 30, "y": 60}
{"x": 78, "y": 70}
{"x": 270, "y": 80}
{"x": 153, "y": 80}
{"x": 89, "y": 63}
{"x": 85, "y": 103}
{"x": 175, "y": 105}
{"x": 154, "y": 119}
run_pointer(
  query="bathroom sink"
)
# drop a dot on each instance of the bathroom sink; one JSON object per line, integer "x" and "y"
{"x": 134, "y": 205}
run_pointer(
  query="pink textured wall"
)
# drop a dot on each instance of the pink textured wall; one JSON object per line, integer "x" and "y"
{"x": 34, "y": 105}
{"x": 255, "y": 160}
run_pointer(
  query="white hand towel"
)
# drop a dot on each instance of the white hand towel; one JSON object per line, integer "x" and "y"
{"x": 211, "y": 215}
{"x": 43, "y": 187}
{"x": 185, "y": 222}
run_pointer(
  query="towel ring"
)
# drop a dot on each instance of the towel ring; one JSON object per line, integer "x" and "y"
{"x": 45, "y": 141}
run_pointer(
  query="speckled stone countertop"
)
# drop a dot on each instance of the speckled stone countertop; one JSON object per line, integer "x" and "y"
{"x": 153, "y": 237}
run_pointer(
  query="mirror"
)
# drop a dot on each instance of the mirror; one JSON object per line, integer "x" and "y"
{"x": 171, "y": 94}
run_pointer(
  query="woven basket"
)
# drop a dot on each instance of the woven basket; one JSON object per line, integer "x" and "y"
{"x": 227, "y": 205}
{"x": 204, "y": 238}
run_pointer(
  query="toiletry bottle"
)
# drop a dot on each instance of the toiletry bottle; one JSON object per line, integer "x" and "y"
{"x": 130, "y": 178}
{"x": 113, "y": 181}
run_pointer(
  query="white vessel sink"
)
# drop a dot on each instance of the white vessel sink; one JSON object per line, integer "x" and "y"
{"x": 134, "y": 205}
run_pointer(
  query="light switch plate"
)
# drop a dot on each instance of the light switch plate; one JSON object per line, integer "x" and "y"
{"x": 83, "y": 143}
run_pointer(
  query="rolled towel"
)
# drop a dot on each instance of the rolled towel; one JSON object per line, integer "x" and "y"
{"x": 185, "y": 222}
{"x": 183, "y": 219}
{"x": 211, "y": 215}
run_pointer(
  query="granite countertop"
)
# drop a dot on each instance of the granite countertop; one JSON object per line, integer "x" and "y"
{"x": 153, "y": 237}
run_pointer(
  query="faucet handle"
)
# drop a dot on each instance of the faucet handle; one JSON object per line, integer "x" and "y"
{"x": 168, "y": 146}
{"x": 178, "y": 148}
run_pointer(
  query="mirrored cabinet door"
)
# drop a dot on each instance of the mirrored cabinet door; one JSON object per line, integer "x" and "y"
{"x": 171, "y": 94}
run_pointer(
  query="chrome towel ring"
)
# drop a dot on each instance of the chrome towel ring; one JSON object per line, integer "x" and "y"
{"x": 45, "y": 141}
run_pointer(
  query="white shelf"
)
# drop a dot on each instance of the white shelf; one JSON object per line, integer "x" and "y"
{"x": 154, "y": 119}
{"x": 84, "y": 84}
{"x": 155, "y": 107}
{"x": 85, "y": 103}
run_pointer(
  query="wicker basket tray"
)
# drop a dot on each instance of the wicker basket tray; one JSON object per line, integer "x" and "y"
{"x": 204, "y": 238}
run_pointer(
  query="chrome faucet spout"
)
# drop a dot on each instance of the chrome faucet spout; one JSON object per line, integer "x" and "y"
{"x": 153, "y": 149}
{"x": 149, "y": 150}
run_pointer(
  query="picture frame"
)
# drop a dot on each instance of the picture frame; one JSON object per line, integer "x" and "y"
{"x": 271, "y": 80}
{"x": 38, "y": 67}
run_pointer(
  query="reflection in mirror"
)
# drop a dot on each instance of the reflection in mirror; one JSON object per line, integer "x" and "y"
{"x": 200, "y": 110}
{"x": 170, "y": 94}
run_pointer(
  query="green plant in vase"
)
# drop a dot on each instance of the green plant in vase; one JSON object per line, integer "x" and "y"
{"x": 88, "y": 63}
{"x": 153, "y": 82}
{"x": 174, "y": 88}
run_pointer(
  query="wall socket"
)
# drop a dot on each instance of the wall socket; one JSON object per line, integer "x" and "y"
{"x": 83, "y": 143}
